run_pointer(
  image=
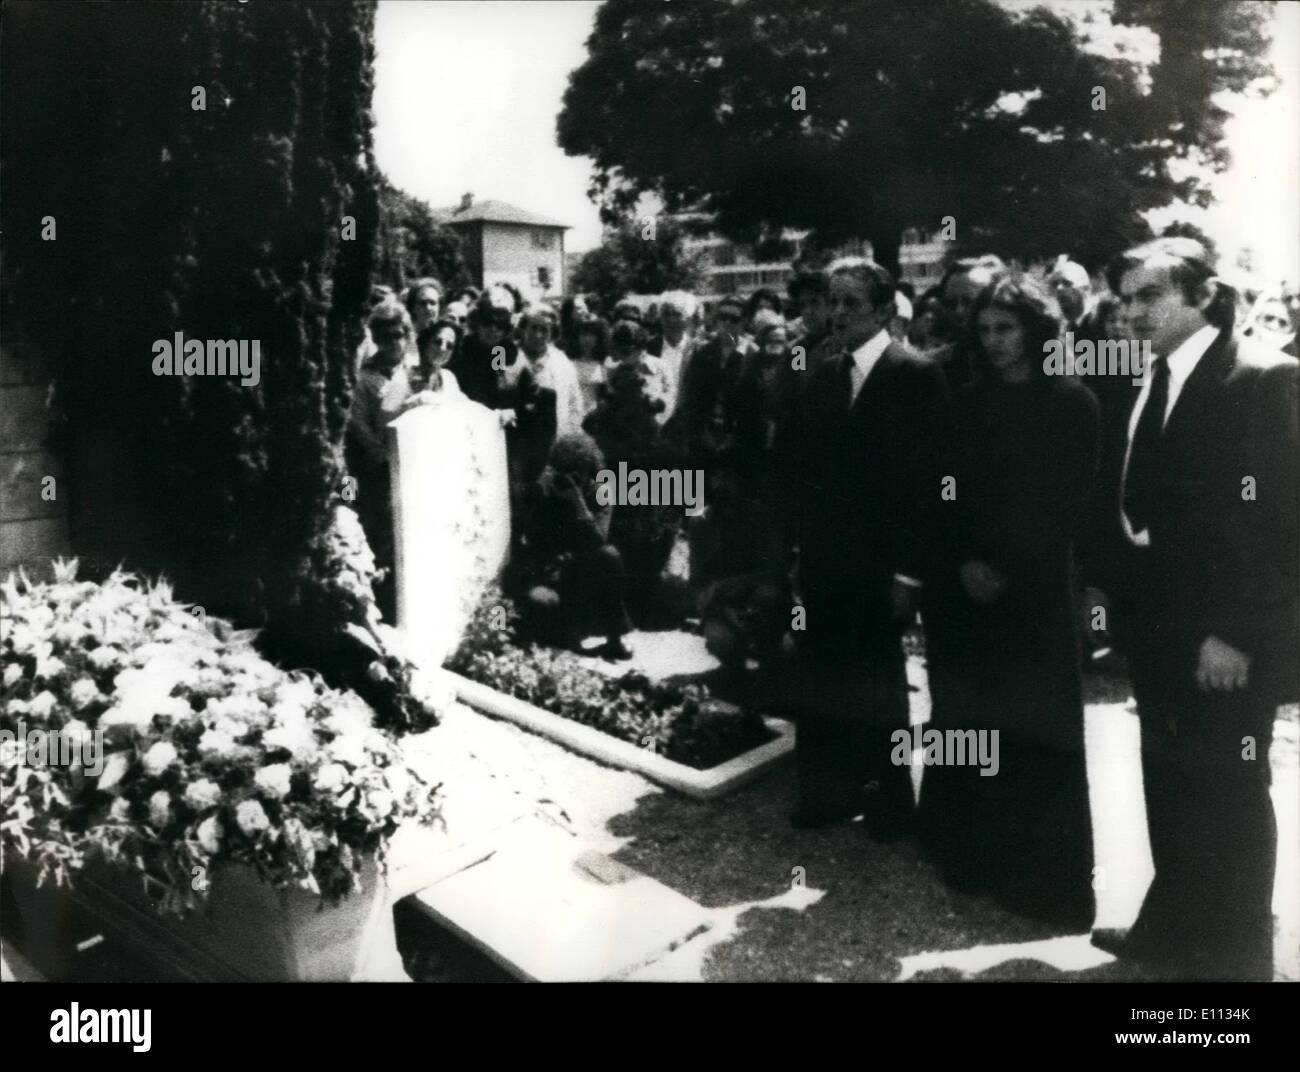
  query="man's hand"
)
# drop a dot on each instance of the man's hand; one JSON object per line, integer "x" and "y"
{"x": 982, "y": 582}
{"x": 1221, "y": 666}
{"x": 506, "y": 417}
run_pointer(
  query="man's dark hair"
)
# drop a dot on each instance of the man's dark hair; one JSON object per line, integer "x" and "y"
{"x": 1191, "y": 267}
{"x": 762, "y": 294}
{"x": 879, "y": 283}
{"x": 486, "y": 314}
{"x": 808, "y": 284}
{"x": 627, "y": 335}
{"x": 627, "y": 310}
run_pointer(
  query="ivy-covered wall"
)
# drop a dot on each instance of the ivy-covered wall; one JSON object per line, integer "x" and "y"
{"x": 203, "y": 168}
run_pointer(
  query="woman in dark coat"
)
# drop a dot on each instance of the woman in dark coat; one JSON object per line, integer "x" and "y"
{"x": 1002, "y": 630}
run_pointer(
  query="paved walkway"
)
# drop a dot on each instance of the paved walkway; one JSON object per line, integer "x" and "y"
{"x": 833, "y": 905}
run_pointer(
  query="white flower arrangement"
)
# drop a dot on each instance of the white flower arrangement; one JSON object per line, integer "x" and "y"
{"x": 214, "y": 755}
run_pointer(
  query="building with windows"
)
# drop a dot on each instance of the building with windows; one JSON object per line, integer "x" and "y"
{"x": 732, "y": 268}
{"x": 505, "y": 244}
{"x": 922, "y": 258}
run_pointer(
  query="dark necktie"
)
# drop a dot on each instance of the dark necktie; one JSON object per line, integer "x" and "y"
{"x": 846, "y": 377}
{"x": 1145, "y": 458}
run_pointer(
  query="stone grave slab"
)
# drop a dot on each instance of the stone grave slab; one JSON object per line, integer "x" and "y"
{"x": 549, "y": 908}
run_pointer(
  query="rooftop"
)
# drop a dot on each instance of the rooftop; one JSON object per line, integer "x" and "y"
{"x": 469, "y": 211}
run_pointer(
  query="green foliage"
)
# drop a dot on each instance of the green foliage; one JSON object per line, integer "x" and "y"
{"x": 912, "y": 112}
{"x": 412, "y": 244}
{"x": 222, "y": 223}
{"x": 681, "y": 722}
{"x": 626, "y": 262}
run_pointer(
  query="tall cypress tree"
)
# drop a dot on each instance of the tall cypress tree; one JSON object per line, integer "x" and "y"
{"x": 210, "y": 169}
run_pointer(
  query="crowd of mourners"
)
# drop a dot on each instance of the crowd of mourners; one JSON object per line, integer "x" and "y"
{"x": 872, "y": 458}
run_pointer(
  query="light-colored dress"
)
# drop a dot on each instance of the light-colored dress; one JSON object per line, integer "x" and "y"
{"x": 554, "y": 371}
{"x": 406, "y": 389}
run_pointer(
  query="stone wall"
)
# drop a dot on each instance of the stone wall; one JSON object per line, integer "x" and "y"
{"x": 33, "y": 525}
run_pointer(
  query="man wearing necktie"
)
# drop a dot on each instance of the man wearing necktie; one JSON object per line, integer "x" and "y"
{"x": 1208, "y": 505}
{"x": 863, "y": 445}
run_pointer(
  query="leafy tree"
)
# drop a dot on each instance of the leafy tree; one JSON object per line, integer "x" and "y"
{"x": 638, "y": 257}
{"x": 412, "y": 244}
{"x": 856, "y": 118}
{"x": 210, "y": 170}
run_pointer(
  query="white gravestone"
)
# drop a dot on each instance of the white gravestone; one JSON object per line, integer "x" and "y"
{"x": 451, "y": 516}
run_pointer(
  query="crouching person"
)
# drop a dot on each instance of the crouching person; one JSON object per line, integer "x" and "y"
{"x": 567, "y": 575}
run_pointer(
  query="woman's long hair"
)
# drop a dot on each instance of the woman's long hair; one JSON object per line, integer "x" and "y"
{"x": 1029, "y": 302}
{"x": 600, "y": 329}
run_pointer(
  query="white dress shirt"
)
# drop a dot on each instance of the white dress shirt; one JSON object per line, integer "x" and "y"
{"x": 1182, "y": 362}
{"x": 865, "y": 358}
{"x": 673, "y": 359}
{"x": 554, "y": 370}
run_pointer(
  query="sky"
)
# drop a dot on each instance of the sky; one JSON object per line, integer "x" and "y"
{"x": 467, "y": 93}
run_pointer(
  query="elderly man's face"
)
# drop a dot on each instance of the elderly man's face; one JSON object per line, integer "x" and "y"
{"x": 424, "y": 309}
{"x": 1072, "y": 289}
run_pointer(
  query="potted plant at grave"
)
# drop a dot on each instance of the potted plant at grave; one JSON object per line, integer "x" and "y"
{"x": 232, "y": 813}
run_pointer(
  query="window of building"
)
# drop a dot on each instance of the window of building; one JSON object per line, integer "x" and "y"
{"x": 542, "y": 239}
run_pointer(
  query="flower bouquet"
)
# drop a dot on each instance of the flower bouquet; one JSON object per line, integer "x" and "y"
{"x": 193, "y": 752}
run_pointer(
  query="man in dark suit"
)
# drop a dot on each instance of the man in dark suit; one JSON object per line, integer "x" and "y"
{"x": 1209, "y": 509}
{"x": 703, "y": 420}
{"x": 864, "y": 444}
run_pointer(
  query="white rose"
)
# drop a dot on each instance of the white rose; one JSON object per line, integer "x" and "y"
{"x": 273, "y": 780}
{"x": 331, "y": 778}
{"x": 210, "y": 835}
{"x": 68, "y": 633}
{"x": 298, "y": 693}
{"x": 121, "y": 810}
{"x": 202, "y": 794}
{"x": 160, "y": 808}
{"x": 381, "y": 801}
{"x": 23, "y": 638}
{"x": 50, "y": 667}
{"x": 83, "y": 693}
{"x": 348, "y": 749}
{"x": 77, "y": 732}
{"x": 161, "y": 756}
{"x": 13, "y": 674}
{"x": 105, "y": 658}
{"x": 216, "y": 744}
{"x": 297, "y": 738}
{"x": 42, "y": 704}
{"x": 251, "y": 818}
{"x": 399, "y": 781}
